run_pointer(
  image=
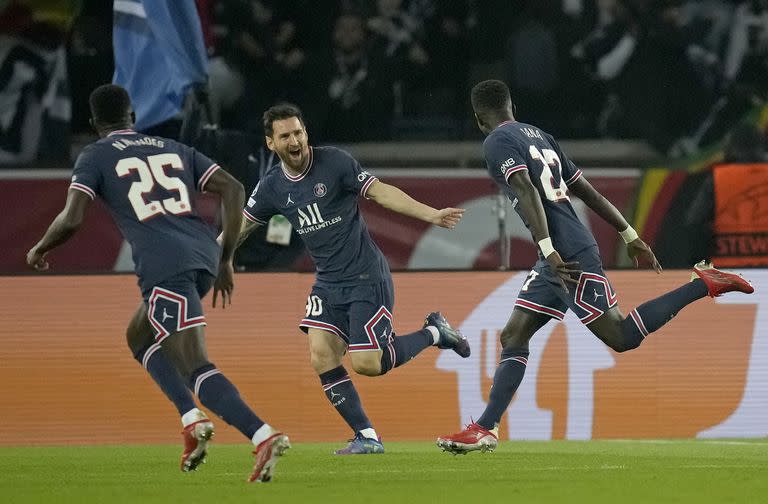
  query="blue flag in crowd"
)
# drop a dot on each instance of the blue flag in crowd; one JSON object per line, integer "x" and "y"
{"x": 159, "y": 54}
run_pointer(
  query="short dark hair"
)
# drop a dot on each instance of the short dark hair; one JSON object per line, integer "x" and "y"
{"x": 280, "y": 111}
{"x": 490, "y": 96}
{"x": 110, "y": 104}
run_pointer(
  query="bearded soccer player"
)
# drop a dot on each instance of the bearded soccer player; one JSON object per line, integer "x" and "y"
{"x": 148, "y": 184}
{"x": 350, "y": 306}
{"x": 535, "y": 174}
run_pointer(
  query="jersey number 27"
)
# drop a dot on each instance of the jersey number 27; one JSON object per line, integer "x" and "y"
{"x": 150, "y": 173}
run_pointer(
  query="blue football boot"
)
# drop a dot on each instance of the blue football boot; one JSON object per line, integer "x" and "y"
{"x": 449, "y": 337}
{"x": 361, "y": 445}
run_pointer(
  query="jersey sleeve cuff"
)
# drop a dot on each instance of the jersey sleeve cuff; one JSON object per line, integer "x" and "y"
{"x": 207, "y": 175}
{"x": 573, "y": 179}
{"x": 83, "y": 188}
{"x": 514, "y": 169}
{"x": 367, "y": 185}
{"x": 252, "y": 218}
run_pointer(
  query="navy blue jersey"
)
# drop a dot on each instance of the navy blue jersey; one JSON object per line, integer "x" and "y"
{"x": 148, "y": 184}
{"x": 515, "y": 146}
{"x": 321, "y": 204}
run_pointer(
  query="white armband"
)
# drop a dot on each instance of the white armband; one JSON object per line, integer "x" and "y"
{"x": 629, "y": 235}
{"x": 546, "y": 247}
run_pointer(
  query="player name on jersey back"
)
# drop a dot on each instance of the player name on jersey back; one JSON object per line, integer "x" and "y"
{"x": 123, "y": 143}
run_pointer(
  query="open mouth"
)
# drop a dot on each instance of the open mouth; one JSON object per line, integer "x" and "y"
{"x": 295, "y": 154}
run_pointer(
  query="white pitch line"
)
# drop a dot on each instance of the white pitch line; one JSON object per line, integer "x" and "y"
{"x": 741, "y": 443}
{"x": 688, "y": 441}
{"x": 717, "y": 466}
{"x": 530, "y": 469}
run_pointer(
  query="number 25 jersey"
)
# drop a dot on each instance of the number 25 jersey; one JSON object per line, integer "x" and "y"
{"x": 149, "y": 185}
{"x": 515, "y": 146}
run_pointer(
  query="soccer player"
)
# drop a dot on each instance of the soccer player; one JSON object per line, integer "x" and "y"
{"x": 539, "y": 179}
{"x": 148, "y": 184}
{"x": 350, "y": 305}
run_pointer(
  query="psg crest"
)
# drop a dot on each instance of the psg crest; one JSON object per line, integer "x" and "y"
{"x": 320, "y": 190}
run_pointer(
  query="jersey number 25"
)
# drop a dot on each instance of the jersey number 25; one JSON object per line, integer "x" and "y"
{"x": 148, "y": 177}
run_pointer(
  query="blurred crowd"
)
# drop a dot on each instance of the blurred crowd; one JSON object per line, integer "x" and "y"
{"x": 671, "y": 72}
{"x": 381, "y": 69}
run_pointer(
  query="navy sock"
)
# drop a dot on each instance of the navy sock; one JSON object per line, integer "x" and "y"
{"x": 652, "y": 315}
{"x": 165, "y": 374}
{"x": 509, "y": 375}
{"x": 402, "y": 349}
{"x": 219, "y": 395}
{"x": 340, "y": 390}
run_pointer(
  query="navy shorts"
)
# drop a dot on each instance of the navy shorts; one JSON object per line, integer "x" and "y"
{"x": 360, "y": 315}
{"x": 175, "y": 303}
{"x": 542, "y": 293}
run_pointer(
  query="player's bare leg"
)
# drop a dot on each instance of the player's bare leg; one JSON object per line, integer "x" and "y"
{"x": 326, "y": 351}
{"x": 139, "y": 332}
{"x": 197, "y": 428}
{"x": 626, "y": 333}
{"x": 367, "y": 363}
{"x": 609, "y": 328}
{"x": 188, "y": 351}
{"x": 482, "y": 435}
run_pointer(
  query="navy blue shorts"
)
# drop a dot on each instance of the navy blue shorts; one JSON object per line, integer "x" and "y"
{"x": 542, "y": 293}
{"x": 175, "y": 303}
{"x": 360, "y": 315}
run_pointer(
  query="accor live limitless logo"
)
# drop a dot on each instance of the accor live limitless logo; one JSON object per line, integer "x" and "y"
{"x": 310, "y": 216}
{"x": 587, "y": 358}
{"x": 310, "y": 219}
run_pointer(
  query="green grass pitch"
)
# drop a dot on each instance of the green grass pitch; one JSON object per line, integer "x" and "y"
{"x": 616, "y": 472}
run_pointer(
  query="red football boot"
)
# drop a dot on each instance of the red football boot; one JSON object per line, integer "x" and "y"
{"x": 267, "y": 454}
{"x": 196, "y": 438}
{"x": 474, "y": 437}
{"x": 719, "y": 282}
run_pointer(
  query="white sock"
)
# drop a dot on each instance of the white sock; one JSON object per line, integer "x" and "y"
{"x": 192, "y": 416}
{"x": 435, "y": 333}
{"x": 369, "y": 433}
{"x": 264, "y": 432}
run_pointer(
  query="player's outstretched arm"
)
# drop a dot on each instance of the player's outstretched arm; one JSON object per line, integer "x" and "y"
{"x": 395, "y": 199}
{"x": 232, "y": 199}
{"x": 636, "y": 247}
{"x": 63, "y": 227}
{"x": 529, "y": 201}
{"x": 246, "y": 228}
